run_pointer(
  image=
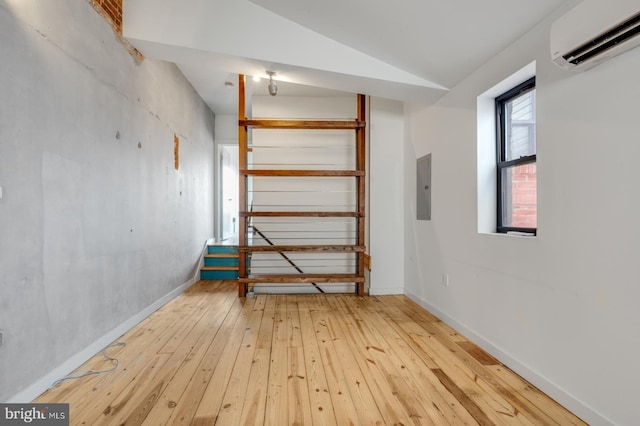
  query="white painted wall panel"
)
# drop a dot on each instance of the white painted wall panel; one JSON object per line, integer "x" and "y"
{"x": 559, "y": 308}
{"x": 306, "y": 150}
{"x": 387, "y": 198}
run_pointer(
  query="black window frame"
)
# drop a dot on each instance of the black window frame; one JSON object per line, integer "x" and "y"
{"x": 501, "y": 163}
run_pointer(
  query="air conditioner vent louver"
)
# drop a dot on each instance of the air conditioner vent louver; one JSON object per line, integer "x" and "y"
{"x": 593, "y": 32}
{"x": 608, "y": 40}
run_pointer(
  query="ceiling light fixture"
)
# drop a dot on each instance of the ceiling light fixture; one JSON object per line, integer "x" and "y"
{"x": 273, "y": 88}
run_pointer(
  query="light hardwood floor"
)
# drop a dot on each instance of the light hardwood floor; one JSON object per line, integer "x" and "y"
{"x": 208, "y": 357}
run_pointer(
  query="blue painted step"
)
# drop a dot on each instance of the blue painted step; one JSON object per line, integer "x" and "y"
{"x": 220, "y": 263}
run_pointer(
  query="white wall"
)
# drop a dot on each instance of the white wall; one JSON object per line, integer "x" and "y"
{"x": 227, "y": 129}
{"x": 226, "y": 133}
{"x": 387, "y": 196}
{"x": 386, "y": 160}
{"x": 96, "y": 225}
{"x": 560, "y": 308}
{"x": 307, "y": 150}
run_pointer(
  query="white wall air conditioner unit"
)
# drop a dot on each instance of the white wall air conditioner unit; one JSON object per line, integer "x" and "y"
{"x": 595, "y": 31}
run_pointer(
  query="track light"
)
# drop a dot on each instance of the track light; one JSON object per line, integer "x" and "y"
{"x": 273, "y": 87}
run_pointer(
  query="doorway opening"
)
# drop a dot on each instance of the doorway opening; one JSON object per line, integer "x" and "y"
{"x": 228, "y": 162}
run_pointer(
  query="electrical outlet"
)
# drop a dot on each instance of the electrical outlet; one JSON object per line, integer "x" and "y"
{"x": 445, "y": 280}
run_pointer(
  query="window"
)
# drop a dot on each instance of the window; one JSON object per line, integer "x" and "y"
{"x": 516, "y": 159}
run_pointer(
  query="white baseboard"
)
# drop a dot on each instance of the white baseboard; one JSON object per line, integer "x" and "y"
{"x": 385, "y": 291}
{"x": 547, "y": 386}
{"x": 41, "y": 385}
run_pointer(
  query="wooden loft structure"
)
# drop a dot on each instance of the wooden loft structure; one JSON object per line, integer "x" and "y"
{"x": 252, "y": 242}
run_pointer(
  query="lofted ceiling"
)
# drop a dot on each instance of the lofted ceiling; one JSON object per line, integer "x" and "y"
{"x": 408, "y": 50}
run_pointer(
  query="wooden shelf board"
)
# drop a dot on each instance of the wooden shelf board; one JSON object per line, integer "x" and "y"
{"x": 302, "y": 124}
{"x": 302, "y": 278}
{"x": 302, "y": 173}
{"x": 299, "y": 214}
{"x": 304, "y": 248}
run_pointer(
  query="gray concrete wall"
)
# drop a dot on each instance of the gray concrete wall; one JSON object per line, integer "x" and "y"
{"x": 95, "y": 222}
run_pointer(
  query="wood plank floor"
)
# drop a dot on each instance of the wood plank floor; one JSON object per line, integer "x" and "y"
{"x": 208, "y": 357}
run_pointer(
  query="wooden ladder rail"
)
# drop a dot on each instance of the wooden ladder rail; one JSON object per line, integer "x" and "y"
{"x": 361, "y": 188}
{"x": 242, "y": 187}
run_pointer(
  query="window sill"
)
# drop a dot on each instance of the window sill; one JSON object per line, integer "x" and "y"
{"x": 518, "y": 234}
{"x": 511, "y": 234}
